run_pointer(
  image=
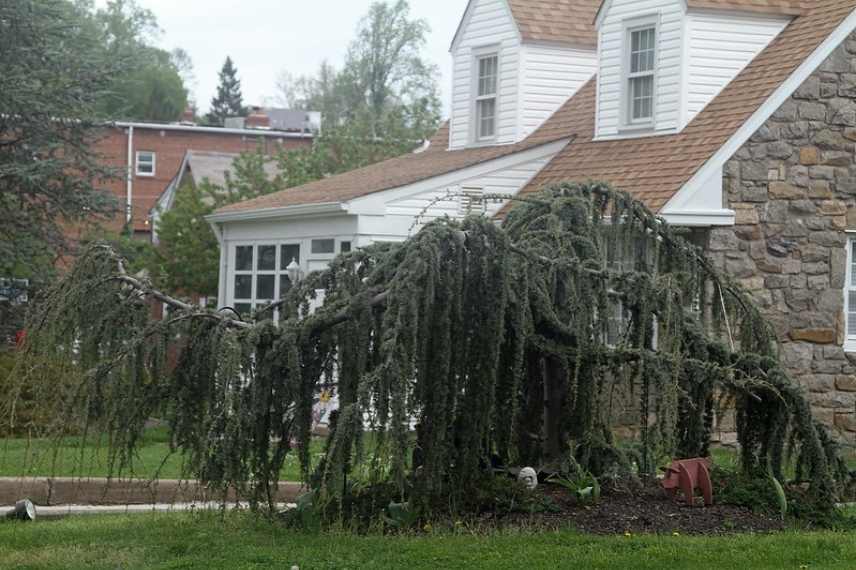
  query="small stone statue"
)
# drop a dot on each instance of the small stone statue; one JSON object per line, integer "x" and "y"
{"x": 528, "y": 477}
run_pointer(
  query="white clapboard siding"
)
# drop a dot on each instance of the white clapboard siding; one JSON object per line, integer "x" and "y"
{"x": 667, "y": 112}
{"x": 721, "y": 44}
{"x": 550, "y": 75}
{"x": 437, "y": 203}
{"x": 488, "y": 23}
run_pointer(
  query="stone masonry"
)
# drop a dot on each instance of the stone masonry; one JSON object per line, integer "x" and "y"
{"x": 793, "y": 187}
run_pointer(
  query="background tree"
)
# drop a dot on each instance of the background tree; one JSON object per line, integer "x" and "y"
{"x": 152, "y": 88}
{"x": 53, "y": 78}
{"x": 386, "y": 90}
{"x": 228, "y": 102}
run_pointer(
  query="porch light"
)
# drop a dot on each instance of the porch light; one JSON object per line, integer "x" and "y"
{"x": 293, "y": 270}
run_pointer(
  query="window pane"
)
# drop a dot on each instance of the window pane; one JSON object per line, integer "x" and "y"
{"x": 851, "y": 314}
{"x": 243, "y": 286}
{"x": 264, "y": 287}
{"x": 244, "y": 258}
{"x": 642, "y": 97}
{"x": 323, "y": 246}
{"x": 284, "y": 284}
{"x": 244, "y": 309}
{"x": 852, "y": 265}
{"x": 487, "y": 75}
{"x": 289, "y": 252}
{"x": 345, "y": 247}
{"x": 267, "y": 257}
{"x": 487, "y": 118}
{"x": 642, "y": 50}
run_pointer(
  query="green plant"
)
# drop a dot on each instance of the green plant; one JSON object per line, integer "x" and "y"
{"x": 497, "y": 341}
{"x": 585, "y": 487}
{"x": 781, "y": 498}
{"x": 401, "y": 516}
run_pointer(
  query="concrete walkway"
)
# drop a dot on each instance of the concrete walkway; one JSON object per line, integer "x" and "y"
{"x": 58, "y": 491}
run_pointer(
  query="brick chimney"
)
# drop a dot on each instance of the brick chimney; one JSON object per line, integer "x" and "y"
{"x": 257, "y": 119}
{"x": 188, "y": 116}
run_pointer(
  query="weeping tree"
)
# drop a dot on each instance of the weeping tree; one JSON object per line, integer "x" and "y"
{"x": 470, "y": 343}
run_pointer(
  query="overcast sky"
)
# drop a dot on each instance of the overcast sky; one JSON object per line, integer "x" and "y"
{"x": 264, "y": 37}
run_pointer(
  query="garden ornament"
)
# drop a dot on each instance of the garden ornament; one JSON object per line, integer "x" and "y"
{"x": 687, "y": 475}
{"x": 528, "y": 477}
{"x": 24, "y": 511}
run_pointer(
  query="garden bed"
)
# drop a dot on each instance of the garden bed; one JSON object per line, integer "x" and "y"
{"x": 644, "y": 510}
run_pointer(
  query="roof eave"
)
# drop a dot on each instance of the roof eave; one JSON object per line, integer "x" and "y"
{"x": 280, "y": 212}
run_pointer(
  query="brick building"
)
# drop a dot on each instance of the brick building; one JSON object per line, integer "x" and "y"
{"x": 153, "y": 153}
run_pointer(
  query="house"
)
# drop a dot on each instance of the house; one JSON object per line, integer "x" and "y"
{"x": 152, "y": 154}
{"x": 736, "y": 118}
{"x": 197, "y": 166}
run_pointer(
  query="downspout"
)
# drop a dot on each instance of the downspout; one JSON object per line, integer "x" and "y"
{"x": 129, "y": 192}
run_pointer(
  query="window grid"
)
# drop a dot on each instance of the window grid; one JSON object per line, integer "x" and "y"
{"x": 850, "y": 297}
{"x": 641, "y": 74}
{"x": 488, "y": 79}
{"x": 261, "y": 274}
{"x": 146, "y": 162}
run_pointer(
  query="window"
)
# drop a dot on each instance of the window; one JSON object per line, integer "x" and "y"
{"x": 486, "y": 95}
{"x": 323, "y": 246}
{"x": 261, "y": 274}
{"x": 145, "y": 163}
{"x": 640, "y": 76}
{"x": 850, "y": 296}
{"x": 345, "y": 247}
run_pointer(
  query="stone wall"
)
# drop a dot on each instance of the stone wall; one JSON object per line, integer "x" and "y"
{"x": 793, "y": 187}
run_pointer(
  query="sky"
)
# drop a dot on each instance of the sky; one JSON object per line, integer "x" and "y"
{"x": 265, "y": 37}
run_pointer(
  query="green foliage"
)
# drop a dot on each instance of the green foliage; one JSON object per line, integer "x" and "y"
{"x": 781, "y": 498}
{"x": 52, "y": 78}
{"x": 495, "y": 341}
{"x": 585, "y": 487}
{"x": 228, "y": 102}
{"x": 151, "y": 88}
{"x": 386, "y": 91}
{"x": 187, "y": 258}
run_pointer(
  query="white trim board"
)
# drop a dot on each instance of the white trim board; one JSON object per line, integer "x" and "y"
{"x": 370, "y": 203}
{"x": 700, "y": 179}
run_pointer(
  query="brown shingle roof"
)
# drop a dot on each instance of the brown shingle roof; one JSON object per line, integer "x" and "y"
{"x": 655, "y": 168}
{"x": 556, "y": 21}
{"x": 786, "y": 7}
{"x": 403, "y": 170}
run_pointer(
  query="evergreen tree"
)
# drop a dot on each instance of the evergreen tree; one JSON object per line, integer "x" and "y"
{"x": 229, "y": 101}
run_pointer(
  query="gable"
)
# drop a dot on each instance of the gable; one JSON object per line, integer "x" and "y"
{"x": 655, "y": 169}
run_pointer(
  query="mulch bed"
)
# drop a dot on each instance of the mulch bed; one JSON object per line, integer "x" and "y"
{"x": 644, "y": 510}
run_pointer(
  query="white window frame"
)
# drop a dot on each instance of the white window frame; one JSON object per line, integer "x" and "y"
{"x": 308, "y": 261}
{"x": 479, "y": 55}
{"x": 279, "y": 269}
{"x": 849, "y": 285}
{"x": 631, "y": 26}
{"x": 154, "y": 156}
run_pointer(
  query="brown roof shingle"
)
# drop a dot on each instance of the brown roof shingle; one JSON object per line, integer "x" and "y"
{"x": 556, "y": 21}
{"x": 654, "y": 168}
{"x": 402, "y": 170}
{"x": 786, "y": 7}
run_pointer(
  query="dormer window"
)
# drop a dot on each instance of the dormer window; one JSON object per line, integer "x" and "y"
{"x": 640, "y": 76}
{"x": 486, "y": 96}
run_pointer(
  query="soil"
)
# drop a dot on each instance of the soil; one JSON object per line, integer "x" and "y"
{"x": 644, "y": 510}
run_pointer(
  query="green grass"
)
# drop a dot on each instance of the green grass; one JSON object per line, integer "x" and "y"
{"x": 238, "y": 542}
{"x": 40, "y": 458}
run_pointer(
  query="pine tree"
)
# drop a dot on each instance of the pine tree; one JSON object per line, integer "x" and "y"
{"x": 229, "y": 101}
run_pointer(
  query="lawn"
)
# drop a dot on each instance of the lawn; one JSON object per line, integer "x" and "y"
{"x": 236, "y": 542}
{"x": 40, "y": 458}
